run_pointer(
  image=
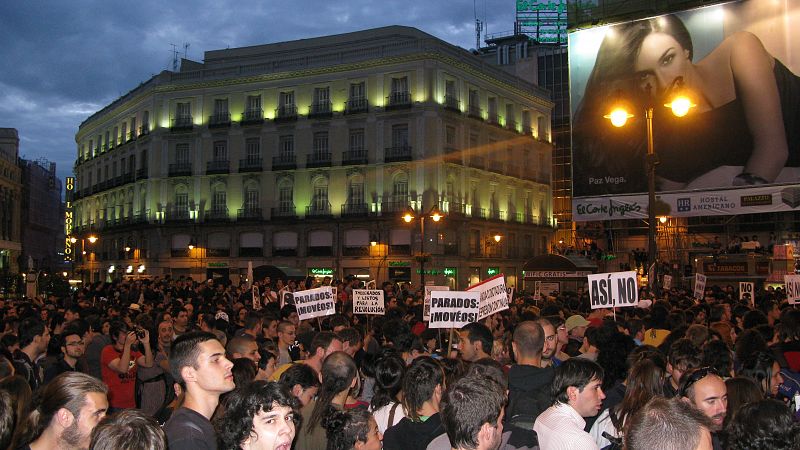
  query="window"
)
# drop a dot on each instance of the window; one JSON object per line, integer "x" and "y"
{"x": 321, "y": 145}
{"x": 286, "y": 198}
{"x": 355, "y": 194}
{"x": 182, "y": 154}
{"x": 450, "y": 89}
{"x": 183, "y": 111}
{"x": 251, "y": 199}
{"x": 182, "y": 200}
{"x": 253, "y": 103}
{"x": 286, "y": 147}
{"x": 322, "y": 95}
{"x": 509, "y": 113}
{"x": 358, "y": 91}
{"x": 400, "y": 136}
{"x": 252, "y": 149}
{"x": 114, "y": 169}
{"x": 124, "y": 134}
{"x": 286, "y": 99}
{"x": 221, "y": 107}
{"x": 541, "y": 127}
{"x": 131, "y": 163}
{"x": 493, "y": 108}
{"x": 145, "y": 122}
{"x": 319, "y": 201}
{"x": 400, "y": 85}
{"x": 357, "y": 140}
{"x": 116, "y": 136}
{"x": 450, "y": 191}
{"x": 220, "y": 151}
{"x": 474, "y": 99}
{"x": 400, "y": 188}
{"x": 220, "y": 201}
{"x": 450, "y": 135}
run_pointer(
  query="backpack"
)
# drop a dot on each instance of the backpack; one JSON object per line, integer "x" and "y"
{"x": 525, "y": 406}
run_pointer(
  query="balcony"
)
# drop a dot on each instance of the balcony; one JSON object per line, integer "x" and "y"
{"x": 219, "y": 120}
{"x": 478, "y": 213}
{"x": 355, "y": 210}
{"x": 527, "y": 130}
{"x": 177, "y": 214}
{"x": 318, "y": 159}
{"x": 477, "y": 162}
{"x": 496, "y": 166}
{"x": 286, "y": 113}
{"x": 251, "y": 165}
{"x": 322, "y": 210}
{"x": 494, "y": 119}
{"x": 452, "y": 103}
{"x": 398, "y": 100}
{"x": 217, "y": 167}
{"x": 141, "y": 217}
{"x": 396, "y": 205}
{"x": 397, "y": 154}
{"x": 141, "y": 174}
{"x": 185, "y": 123}
{"x": 249, "y": 213}
{"x": 217, "y": 214}
{"x": 452, "y": 155}
{"x": 284, "y": 212}
{"x": 354, "y": 157}
{"x": 130, "y": 136}
{"x": 356, "y": 105}
{"x": 511, "y": 125}
{"x": 284, "y": 162}
{"x": 144, "y": 130}
{"x": 475, "y": 112}
{"x": 320, "y": 110}
{"x": 496, "y": 214}
{"x": 252, "y": 117}
{"x": 456, "y": 209}
{"x": 182, "y": 169}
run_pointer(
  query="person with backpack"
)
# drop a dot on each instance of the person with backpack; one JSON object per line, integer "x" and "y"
{"x": 528, "y": 383}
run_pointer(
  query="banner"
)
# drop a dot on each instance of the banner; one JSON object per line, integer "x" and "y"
{"x": 703, "y": 155}
{"x": 454, "y": 309}
{"x": 699, "y": 286}
{"x": 287, "y": 298}
{"x": 426, "y": 306}
{"x": 667, "y": 282}
{"x": 493, "y": 295}
{"x": 613, "y": 290}
{"x": 368, "y": 301}
{"x": 315, "y": 303}
{"x": 746, "y": 288}
{"x": 792, "y": 288}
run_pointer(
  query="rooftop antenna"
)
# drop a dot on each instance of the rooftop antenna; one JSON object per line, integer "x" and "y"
{"x": 186, "y": 50}
{"x": 478, "y": 25}
{"x": 174, "y": 57}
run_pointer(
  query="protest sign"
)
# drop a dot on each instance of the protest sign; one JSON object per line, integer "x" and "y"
{"x": 746, "y": 288}
{"x": 315, "y": 303}
{"x": 454, "y": 309}
{"x": 494, "y": 296}
{"x": 366, "y": 301}
{"x": 544, "y": 288}
{"x": 613, "y": 290}
{"x": 667, "y": 282}
{"x": 699, "y": 286}
{"x": 510, "y": 291}
{"x": 792, "y": 288}
{"x": 426, "y": 305}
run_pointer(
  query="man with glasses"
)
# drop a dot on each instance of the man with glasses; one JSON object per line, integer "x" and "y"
{"x": 705, "y": 389}
{"x": 72, "y": 348}
{"x": 529, "y": 383}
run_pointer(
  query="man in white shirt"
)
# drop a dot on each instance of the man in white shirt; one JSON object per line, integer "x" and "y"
{"x": 577, "y": 392}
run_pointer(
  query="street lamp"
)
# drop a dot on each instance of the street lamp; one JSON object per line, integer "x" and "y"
{"x": 435, "y": 215}
{"x": 680, "y": 105}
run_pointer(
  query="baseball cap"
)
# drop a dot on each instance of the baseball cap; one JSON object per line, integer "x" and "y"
{"x": 575, "y": 321}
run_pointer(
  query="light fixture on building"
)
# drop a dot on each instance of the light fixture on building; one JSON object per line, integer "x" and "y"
{"x": 129, "y": 269}
{"x": 141, "y": 268}
{"x": 92, "y": 239}
{"x": 112, "y": 268}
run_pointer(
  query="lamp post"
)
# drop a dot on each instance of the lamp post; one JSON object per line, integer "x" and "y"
{"x": 436, "y": 216}
{"x": 680, "y": 105}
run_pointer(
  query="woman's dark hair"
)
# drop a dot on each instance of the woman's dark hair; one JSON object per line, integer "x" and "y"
{"x": 789, "y": 327}
{"x": 299, "y": 374}
{"x": 419, "y": 383}
{"x": 244, "y": 371}
{"x": 19, "y": 392}
{"x": 344, "y": 428}
{"x": 749, "y": 343}
{"x": 763, "y": 425}
{"x": 242, "y": 406}
{"x": 614, "y": 348}
{"x": 454, "y": 368}
{"x": 758, "y": 367}
{"x": 740, "y": 390}
{"x": 116, "y": 327}
{"x": 645, "y": 381}
{"x": 718, "y": 355}
{"x": 753, "y": 319}
{"x": 389, "y": 371}
{"x": 338, "y": 372}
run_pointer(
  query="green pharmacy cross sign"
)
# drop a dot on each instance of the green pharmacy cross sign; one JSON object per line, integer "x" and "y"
{"x": 492, "y": 271}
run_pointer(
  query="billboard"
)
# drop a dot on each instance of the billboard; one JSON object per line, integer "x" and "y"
{"x": 736, "y": 152}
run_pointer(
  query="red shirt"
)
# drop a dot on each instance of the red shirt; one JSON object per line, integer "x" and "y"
{"x": 121, "y": 386}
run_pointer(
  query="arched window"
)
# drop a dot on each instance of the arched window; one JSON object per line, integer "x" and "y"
{"x": 319, "y": 200}
{"x": 285, "y": 197}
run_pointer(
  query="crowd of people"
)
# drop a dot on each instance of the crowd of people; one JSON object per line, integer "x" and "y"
{"x": 173, "y": 363}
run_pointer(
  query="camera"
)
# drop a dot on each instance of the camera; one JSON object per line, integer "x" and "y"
{"x": 140, "y": 334}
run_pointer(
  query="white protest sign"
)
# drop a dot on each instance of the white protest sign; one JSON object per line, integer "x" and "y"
{"x": 315, "y": 303}
{"x": 544, "y": 288}
{"x": 613, "y": 290}
{"x": 510, "y": 291}
{"x": 667, "y": 282}
{"x": 256, "y": 298}
{"x": 792, "y": 288}
{"x": 454, "y": 309}
{"x": 368, "y": 301}
{"x": 426, "y": 305}
{"x": 699, "y": 286}
{"x": 746, "y": 287}
{"x": 494, "y": 296}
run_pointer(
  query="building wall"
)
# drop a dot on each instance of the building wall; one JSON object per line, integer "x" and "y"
{"x": 487, "y": 171}
{"x": 10, "y": 197}
{"x": 42, "y": 215}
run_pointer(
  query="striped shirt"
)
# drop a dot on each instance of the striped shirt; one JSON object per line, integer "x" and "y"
{"x": 560, "y": 427}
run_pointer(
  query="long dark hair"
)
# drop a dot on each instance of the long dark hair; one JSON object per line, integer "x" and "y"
{"x": 338, "y": 372}
{"x": 645, "y": 381}
{"x": 389, "y": 371}
{"x": 345, "y": 428}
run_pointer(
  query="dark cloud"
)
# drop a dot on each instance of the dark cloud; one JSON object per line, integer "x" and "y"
{"x": 64, "y": 60}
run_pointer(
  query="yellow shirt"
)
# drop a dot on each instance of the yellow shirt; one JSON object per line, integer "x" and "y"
{"x": 655, "y": 337}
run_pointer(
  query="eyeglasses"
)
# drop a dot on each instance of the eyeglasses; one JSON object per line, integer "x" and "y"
{"x": 696, "y": 376}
